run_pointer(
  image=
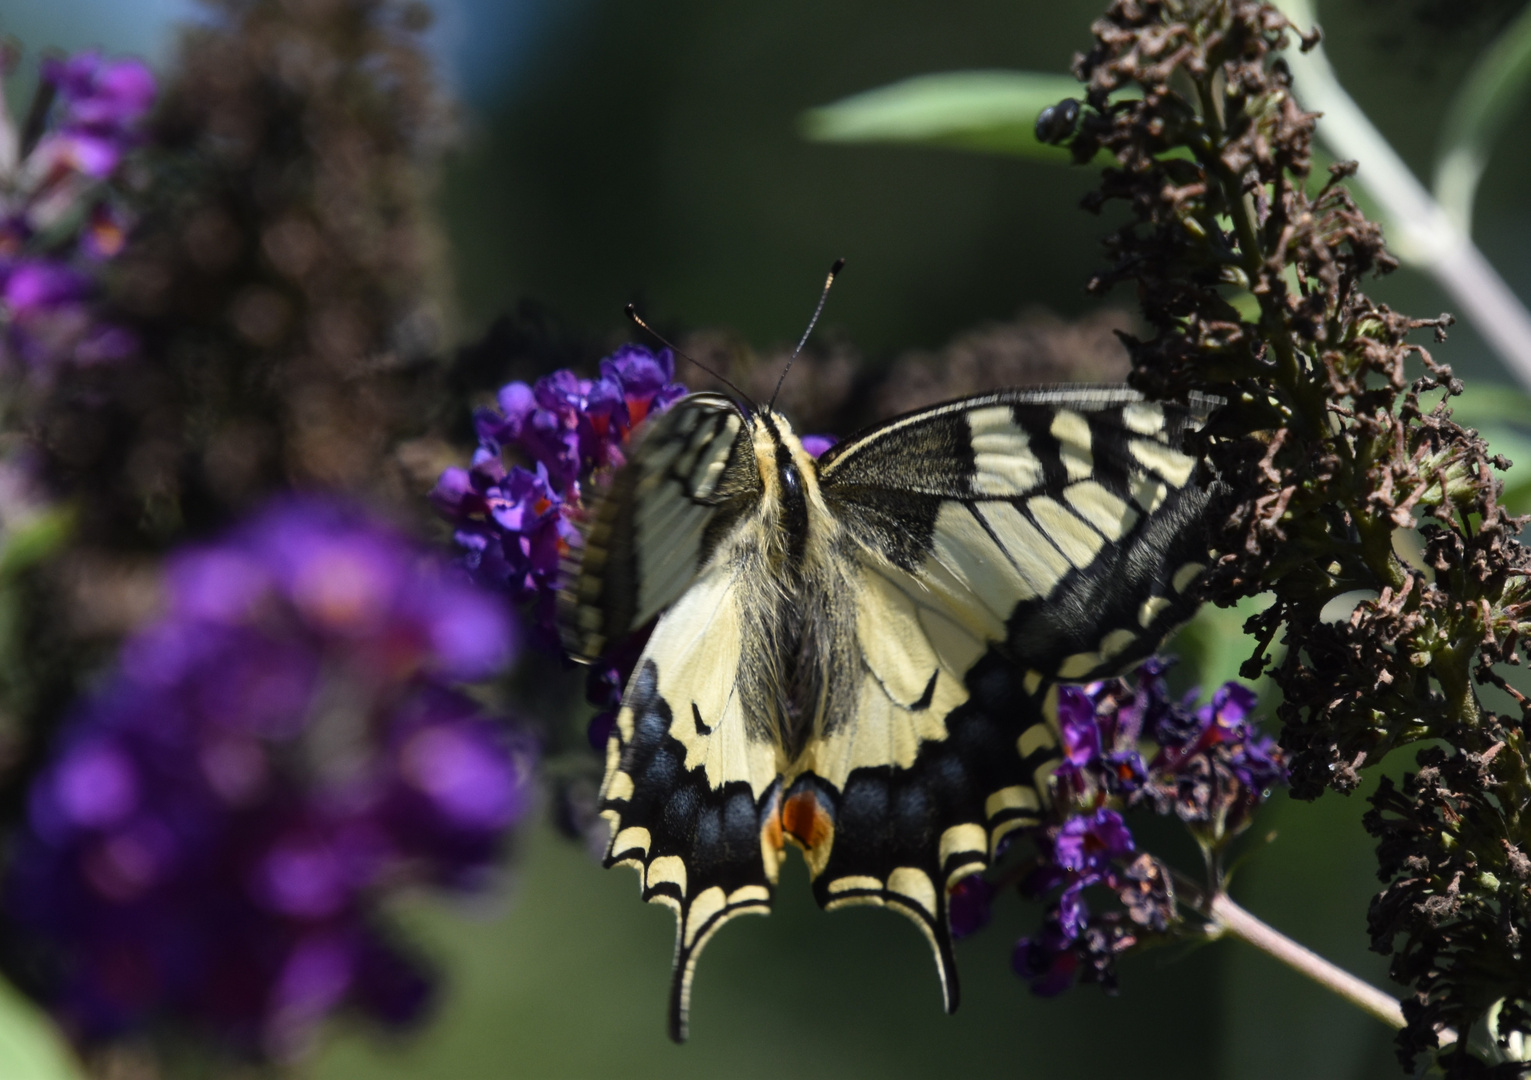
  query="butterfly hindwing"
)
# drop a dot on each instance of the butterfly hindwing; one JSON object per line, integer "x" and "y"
{"x": 688, "y": 792}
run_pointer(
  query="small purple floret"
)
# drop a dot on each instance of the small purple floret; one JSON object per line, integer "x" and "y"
{"x": 1088, "y": 844}
{"x": 49, "y": 276}
{"x": 513, "y": 508}
{"x": 969, "y": 905}
{"x": 1209, "y": 766}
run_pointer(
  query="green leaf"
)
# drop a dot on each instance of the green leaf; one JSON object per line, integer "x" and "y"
{"x": 35, "y": 540}
{"x": 991, "y": 111}
{"x": 30, "y": 1046}
{"x": 1484, "y": 105}
{"x": 1215, "y": 645}
{"x": 1485, "y": 405}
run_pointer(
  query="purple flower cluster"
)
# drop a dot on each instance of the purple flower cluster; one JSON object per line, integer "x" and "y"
{"x": 512, "y": 509}
{"x": 1209, "y": 765}
{"x": 59, "y": 221}
{"x": 210, "y": 840}
{"x": 1127, "y": 745}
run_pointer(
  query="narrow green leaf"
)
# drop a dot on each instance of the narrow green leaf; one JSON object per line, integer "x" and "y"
{"x": 1483, "y": 106}
{"x": 30, "y": 1047}
{"x": 1481, "y": 405}
{"x": 991, "y": 111}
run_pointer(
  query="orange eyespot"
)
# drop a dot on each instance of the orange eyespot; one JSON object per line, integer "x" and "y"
{"x": 806, "y": 820}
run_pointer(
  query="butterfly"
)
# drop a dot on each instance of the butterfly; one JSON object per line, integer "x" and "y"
{"x": 855, "y": 654}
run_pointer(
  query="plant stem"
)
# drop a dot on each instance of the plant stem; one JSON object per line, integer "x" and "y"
{"x": 1227, "y": 917}
{"x": 1419, "y": 229}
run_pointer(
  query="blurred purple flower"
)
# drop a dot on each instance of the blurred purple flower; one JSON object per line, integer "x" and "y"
{"x": 817, "y": 445}
{"x": 1089, "y": 845}
{"x": 58, "y": 223}
{"x": 969, "y": 905}
{"x": 106, "y": 97}
{"x": 515, "y": 524}
{"x": 210, "y": 841}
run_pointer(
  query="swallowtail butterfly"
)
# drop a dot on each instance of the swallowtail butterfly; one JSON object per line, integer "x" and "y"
{"x": 855, "y": 654}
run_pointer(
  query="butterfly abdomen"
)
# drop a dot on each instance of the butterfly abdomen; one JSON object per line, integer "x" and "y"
{"x": 798, "y": 614}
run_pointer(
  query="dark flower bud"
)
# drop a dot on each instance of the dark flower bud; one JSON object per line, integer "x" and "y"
{"x": 1056, "y": 122}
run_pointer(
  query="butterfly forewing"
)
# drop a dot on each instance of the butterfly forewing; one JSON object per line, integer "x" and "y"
{"x": 648, "y": 537}
{"x": 1061, "y": 525}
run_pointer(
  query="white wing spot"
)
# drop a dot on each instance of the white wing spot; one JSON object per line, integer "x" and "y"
{"x": 1003, "y": 464}
{"x": 961, "y": 546}
{"x": 1107, "y": 512}
{"x": 1018, "y": 797}
{"x": 704, "y": 478}
{"x": 1170, "y": 464}
{"x": 915, "y": 885}
{"x": 666, "y": 870}
{"x": 1185, "y": 575}
{"x": 1117, "y": 642}
{"x": 854, "y": 881}
{"x": 619, "y": 788}
{"x": 1144, "y": 418}
{"x": 1073, "y": 434}
{"x": 1002, "y": 830}
{"x": 1079, "y": 665}
{"x": 634, "y": 836}
{"x": 1037, "y": 737}
{"x": 1074, "y": 538}
{"x": 1037, "y": 560}
{"x": 707, "y": 904}
{"x": 1149, "y": 611}
{"x": 1148, "y": 492}
{"x": 962, "y": 839}
{"x": 749, "y": 894}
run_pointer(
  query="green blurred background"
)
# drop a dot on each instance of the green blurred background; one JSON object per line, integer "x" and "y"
{"x": 612, "y": 151}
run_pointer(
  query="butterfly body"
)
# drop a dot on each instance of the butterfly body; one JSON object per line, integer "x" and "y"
{"x": 854, "y": 654}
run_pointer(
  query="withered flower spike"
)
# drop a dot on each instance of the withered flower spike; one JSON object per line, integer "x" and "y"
{"x": 1330, "y": 455}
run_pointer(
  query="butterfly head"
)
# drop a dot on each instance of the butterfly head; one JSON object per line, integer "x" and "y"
{"x": 789, "y": 481}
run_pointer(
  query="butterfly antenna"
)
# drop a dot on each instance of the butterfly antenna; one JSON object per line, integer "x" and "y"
{"x": 823, "y": 296}
{"x": 632, "y": 313}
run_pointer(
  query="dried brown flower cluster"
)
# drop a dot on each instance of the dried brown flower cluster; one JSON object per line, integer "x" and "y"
{"x": 280, "y": 278}
{"x": 277, "y": 273}
{"x": 1335, "y": 455}
{"x": 834, "y": 388}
